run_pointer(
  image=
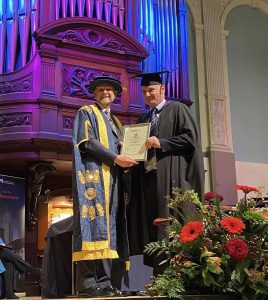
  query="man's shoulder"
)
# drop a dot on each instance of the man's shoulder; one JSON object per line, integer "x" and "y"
{"x": 173, "y": 105}
{"x": 87, "y": 108}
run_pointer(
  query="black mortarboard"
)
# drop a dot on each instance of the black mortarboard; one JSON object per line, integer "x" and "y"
{"x": 154, "y": 78}
{"x": 103, "y": 80}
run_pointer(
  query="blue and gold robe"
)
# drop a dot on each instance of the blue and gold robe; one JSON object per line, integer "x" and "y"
{"x": 99, "y": 209}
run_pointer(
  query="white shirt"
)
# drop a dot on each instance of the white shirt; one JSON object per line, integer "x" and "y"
{"x": 159, "y": 107}
{"x": 152, "y": 163}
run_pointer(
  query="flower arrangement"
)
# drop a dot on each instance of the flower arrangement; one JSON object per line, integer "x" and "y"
{"x": 210, "y": 250}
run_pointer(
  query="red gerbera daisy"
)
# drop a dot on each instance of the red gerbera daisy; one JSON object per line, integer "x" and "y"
{"x": 232, "y": 225}
{"x": 237, "y": 249}
{"x": 265, "y": 214}
{"x": 212, "y": 195}
{"x": 246, "y": 189}
{"x": 191, "y": 231}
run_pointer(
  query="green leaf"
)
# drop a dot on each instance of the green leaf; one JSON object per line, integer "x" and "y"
{"x": 248, "y": 293}
{"x": 168, "y": 284}
{"x": 163, "y": 262}
{"x": 208, "y": 278}
{"x": 192, "y": 271}
{"x": 155, "y": 247}
{"x": 261, "y": 287}
{"x": 213, "y": 268}
{"x": 241, "y": 265}
{"x": 225, "y": 259}
{"x": 234, "y": 274}
{"x": 174, "y": 226}
{"x": 265, "y": 229}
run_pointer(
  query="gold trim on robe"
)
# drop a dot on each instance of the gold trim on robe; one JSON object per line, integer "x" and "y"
{"x": 99, "y": 249}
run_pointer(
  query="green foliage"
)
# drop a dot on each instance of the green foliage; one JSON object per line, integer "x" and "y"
{"x": 174, "y": 228}
{"x": 254, "y": 216}
{"x": 185, "y": 204}
{"x": 202, "y": 262}
{"x": 168, "y": 284}
{"x": 157, "y": 247}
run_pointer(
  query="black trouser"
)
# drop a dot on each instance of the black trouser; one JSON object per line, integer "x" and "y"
{"x": 91, "y": 274}
{"x": 151, "y": 203}
{"x": 11, "y": 260}
{"x": 7, "y": 255}
{"x": 8, "y": 277}
{"x": 153, "y": 213}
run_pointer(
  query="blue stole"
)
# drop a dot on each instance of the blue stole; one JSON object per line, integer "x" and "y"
{"x": 92, "y": 188}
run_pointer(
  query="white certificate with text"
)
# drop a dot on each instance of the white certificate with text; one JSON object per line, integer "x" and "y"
{"x": 134, "y": 139}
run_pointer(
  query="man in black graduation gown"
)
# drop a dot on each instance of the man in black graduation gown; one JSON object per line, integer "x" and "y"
{"x": 174, "y": 160}
{"x": 100, "y": 232}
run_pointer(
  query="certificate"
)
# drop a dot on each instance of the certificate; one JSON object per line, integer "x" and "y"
{"x": 134, "y": 139}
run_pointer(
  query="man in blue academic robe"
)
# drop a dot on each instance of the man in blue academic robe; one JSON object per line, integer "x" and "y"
{"x": 100, "y": 232}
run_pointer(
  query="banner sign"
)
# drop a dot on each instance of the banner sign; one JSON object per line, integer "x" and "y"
{"x": 12, "y": 212}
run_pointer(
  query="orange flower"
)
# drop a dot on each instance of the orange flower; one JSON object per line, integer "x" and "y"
{"x": 232, "y": 225}
{"x": 246, "y": 189}
{"x": 265, "y": 214}
{"x": 191, "y": 231}
{"x": 216, "y": 261}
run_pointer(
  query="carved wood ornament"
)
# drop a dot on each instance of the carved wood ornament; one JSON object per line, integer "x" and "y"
{"x": 37, "y": 173}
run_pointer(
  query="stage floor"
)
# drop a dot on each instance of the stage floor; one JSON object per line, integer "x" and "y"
{"x": 23, "y": 297}
{"x": 114, "y": 298}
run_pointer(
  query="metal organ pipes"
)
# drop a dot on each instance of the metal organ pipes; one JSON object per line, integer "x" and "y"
{"x": 159, "y": 25}
{"x": 2, "y": 35}
{"x": 164, "y": 34}
{"x": 111, "y": 11}
{"x": 20, "y": 18}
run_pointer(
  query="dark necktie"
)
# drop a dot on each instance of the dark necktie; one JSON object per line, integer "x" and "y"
{"x": 153, "y": 120}
{"x": 153, "y": 131}
{"x": 110, "y": 119}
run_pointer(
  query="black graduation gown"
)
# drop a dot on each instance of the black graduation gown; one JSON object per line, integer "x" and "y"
{"x": 56, "y": 274}
{"x": 179, "y": 164}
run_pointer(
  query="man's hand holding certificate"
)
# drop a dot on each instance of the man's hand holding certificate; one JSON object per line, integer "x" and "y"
{"x": 134, "y": 140}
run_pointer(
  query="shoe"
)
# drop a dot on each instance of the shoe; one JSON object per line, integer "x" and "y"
{"x": 11, "y": 296}
{"x": 142, "y": 293}
{"x": 97, "y": 292}
{"x": 89, "y": 293}
{"x": 109, "y": 291}
{"x": 123, "y": 293}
